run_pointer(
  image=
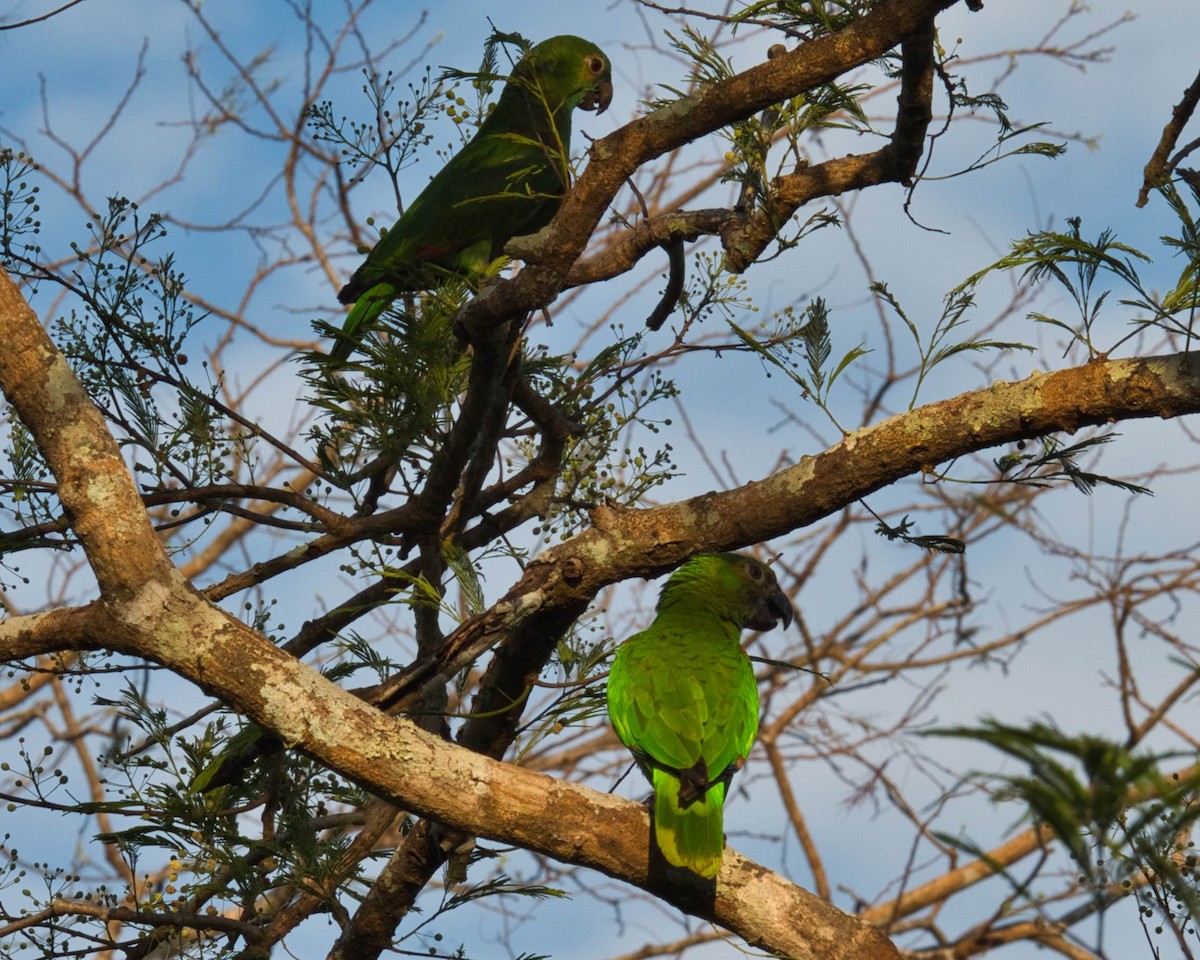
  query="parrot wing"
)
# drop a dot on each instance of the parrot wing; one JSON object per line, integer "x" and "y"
{"x": 486, "y": 194}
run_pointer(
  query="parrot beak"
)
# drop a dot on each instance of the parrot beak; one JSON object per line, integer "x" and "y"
{"x": 598, "y": 98}
{"x": 774, "y": 608}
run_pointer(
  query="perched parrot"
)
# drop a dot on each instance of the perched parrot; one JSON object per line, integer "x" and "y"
{"x": 682, "y": 697}
{"x": 507, "y": 182}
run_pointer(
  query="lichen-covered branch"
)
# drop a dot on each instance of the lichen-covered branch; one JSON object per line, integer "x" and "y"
{"x": 151, "y": 612}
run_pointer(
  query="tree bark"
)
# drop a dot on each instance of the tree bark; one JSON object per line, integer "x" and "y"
{"x": 147, "y": 609}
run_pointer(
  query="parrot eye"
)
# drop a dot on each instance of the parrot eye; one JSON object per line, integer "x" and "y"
{"x": 595, "y": 64}
{"x": 756, "y": 572}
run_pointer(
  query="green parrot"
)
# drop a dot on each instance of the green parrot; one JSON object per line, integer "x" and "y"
{"x": 683, "y": 698}
{"x": 507, "y": 182}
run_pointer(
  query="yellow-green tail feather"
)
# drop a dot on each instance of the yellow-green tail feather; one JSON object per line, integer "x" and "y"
{"x": 692, "y": 837}
{"x": 362, "y": 317}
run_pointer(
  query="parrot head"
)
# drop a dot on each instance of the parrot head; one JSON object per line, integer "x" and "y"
{"x": 733, "y": 586}
{"x": 773, "y": 605}
{"x": 575, "y": 68}
{"x": 599, "y": 95}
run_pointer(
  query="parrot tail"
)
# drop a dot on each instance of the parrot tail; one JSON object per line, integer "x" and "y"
{"x": 366, "y": 310}
{"x": 690, "y": 836}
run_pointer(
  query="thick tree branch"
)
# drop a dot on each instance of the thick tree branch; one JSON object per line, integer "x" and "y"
{"x": 102, "y": 504}
{"x": 558, "y": 585}
{"x": 52, "y": 631}
{"x": 941, "y": 888}
{"x": 555, "y": 589}
{"x": 152, "y": 612}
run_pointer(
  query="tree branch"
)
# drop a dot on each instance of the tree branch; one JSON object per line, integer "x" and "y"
{"x": 613, "y": 159}
{"x": 152, "y": 612}
{"x": 1160, "y": 164}
{"x": 894, "y": 163}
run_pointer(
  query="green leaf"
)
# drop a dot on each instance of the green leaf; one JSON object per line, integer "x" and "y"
{"x": 459, "y": 563}
{"x": 1093, "y": 793}
{"x": 938, "y": 543}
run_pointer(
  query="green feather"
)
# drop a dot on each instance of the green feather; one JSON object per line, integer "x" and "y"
{"x": 690, "y": 836}
{"x": 683, "y": 698}
{"x": 507, "y": 182}
{"x": 362, "y": 317}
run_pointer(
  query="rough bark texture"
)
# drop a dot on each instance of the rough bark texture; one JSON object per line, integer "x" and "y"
{"x": 147, "y": 609}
